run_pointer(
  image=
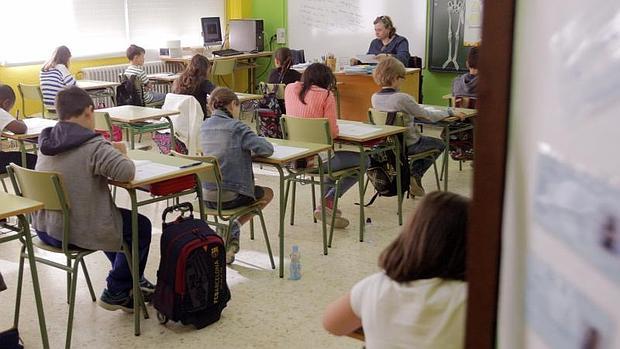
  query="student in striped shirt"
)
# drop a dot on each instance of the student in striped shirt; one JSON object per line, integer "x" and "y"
{"x": 135, "y": 54}
{"x": 55, "y": 76}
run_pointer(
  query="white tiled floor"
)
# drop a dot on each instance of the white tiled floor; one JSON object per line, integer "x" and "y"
{"x": 264, "y": 312}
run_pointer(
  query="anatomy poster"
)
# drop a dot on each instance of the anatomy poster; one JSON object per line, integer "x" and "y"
{"x": 447, "y": 52}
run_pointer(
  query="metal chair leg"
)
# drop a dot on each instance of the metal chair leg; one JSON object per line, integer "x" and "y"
{"x": 333, "y": 219}
{"x": 262, "y": 223}
{"x": 252, "y": 228}
{"x": 72, "y": 290}
{"x": 20, "y": 281}
{"x": 90, "y": 285}
{"x": 313, "y": 200}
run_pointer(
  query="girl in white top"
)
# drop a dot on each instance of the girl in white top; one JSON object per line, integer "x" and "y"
{"x": 418, "y": 300}
{"x": 55, "y": 76}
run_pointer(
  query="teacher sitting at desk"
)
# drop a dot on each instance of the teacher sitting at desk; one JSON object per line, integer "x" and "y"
{"x": 388, "y": 42}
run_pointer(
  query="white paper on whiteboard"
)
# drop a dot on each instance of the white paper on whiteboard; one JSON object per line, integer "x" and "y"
{"x": 285, "y": 151}
{"x": 146, "y": 169}
{"x": 356, "y": 130}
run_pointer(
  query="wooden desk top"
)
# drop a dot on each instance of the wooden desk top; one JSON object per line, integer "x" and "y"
{"x": 35, "y": 126}
{"x": 11, "y": 205}
{"x": 187, "y": 58}
{"x": 469, "y": 113}
{"x": 243, "y": 97}
{"x": 382, "y": 132}
{"x": 312, "y": 149}
{"x": 133, "y": 114}
{"x": 164, "y": 160}
{"x": 95, "y": 84}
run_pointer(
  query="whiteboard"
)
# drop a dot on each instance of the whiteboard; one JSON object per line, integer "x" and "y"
{"x": 344, "y": 27}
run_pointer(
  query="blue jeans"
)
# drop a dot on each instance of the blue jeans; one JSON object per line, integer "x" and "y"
{"x": 341, "y": 160}
{"x": 419, "y": 167}
{"x": 119, "y": 278}
{"x": 158, "y": 97}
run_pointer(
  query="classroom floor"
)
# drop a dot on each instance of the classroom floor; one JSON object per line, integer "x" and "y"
{"x": 264, "y": 312}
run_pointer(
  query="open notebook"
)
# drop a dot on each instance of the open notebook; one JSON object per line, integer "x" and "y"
{"x": 281, "y": 152}
{"x": 356, "y": 129}
{"x": 146, "y": 169}
{"x": 36, "y": 125}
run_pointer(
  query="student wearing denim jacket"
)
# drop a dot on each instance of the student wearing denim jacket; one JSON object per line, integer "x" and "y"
{"x": 233, "y": 144}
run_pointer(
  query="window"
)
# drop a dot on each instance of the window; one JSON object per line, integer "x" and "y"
{"x": 99, "y": 27}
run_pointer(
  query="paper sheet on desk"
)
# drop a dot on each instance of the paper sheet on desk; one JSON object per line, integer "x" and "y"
{"x": 356, "y": 130}
{"x": 367, "y": 59}
{"x": 285, "y": 151}
{"x": 146, "y": 169}
{"x": 430, "y": 108}
{"x": 36, "y": 125}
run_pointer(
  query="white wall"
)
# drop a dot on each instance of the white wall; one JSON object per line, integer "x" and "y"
{"x": 565, "y": 102}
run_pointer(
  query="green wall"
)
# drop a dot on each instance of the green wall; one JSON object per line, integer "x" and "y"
{"x": 274, "y": 14}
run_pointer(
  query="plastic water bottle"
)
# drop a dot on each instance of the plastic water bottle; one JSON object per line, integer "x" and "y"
{"x": 295, "y": 266}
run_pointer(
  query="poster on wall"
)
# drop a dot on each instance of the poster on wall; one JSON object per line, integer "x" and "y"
{"x": 472, "y": 30}
{"x": 451, "y": 30}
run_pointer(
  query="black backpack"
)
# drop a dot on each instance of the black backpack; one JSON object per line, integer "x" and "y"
{"x": 191, "y": 278}
{"x": 382, "y": 169}
{"x": 129, "y": 92}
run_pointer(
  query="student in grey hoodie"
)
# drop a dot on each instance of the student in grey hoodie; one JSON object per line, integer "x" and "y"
{"x": 390, "y": 74}
{"x": 86, "y": 161}
{"x": 466, "y": 85}
{"x": 233, "y": 144}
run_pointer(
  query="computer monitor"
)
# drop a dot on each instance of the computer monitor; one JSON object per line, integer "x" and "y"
{"x": 211, "y": 31}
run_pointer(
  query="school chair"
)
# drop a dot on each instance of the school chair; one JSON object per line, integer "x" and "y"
{"x": 47, "y": 188}
{"x": 103, "y": 123}
{"x": 377, "y": 117}
{"x": 223, "y": 67}
{"x": 468, "y": 102}
{"x": 315, "y": 131}
{"x": 33, "y": 92}
{"x": 214, "y": 175}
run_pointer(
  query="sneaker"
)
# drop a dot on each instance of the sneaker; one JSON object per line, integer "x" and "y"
{"x": 340, "y": 222}
{"x": 233, "y": 244}
{"x": 147, "y": 288}
{"x": 111, "y": 301}
{"x": 415, "y": 186}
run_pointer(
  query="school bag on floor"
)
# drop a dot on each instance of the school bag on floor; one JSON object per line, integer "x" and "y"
{"x": 191, "y": 278}
{"x": 382, "y": 169}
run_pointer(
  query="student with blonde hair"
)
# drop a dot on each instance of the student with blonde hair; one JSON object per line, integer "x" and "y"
{"x": 389, "y": 75}
{"x": 418, "y": 299}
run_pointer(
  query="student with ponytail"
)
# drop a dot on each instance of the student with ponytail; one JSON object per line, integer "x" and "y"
{"x": 282, "y": 73}
{"x": 233, "y": 144}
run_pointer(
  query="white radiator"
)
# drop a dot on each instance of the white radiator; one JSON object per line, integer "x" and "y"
{"x": 113, "y": 72}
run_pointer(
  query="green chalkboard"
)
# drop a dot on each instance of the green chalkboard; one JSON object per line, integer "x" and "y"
{"x": 446, "y": 50}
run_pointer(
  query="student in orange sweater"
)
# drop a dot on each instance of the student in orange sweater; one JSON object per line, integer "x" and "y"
{"x": 312, "y": 98}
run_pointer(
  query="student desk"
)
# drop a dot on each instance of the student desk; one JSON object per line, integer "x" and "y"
{"x": 244, "y": 61}
{"x": 134, "y": 118}
{"x": 35, "y": 126}
{"x": 163, "y": 78}
{"x": 311, "y": 149}
{"x": 11, "y": 205}
{"x": 370, "y": 143}
{"x": 99, "y": 88}
{"x": 448, "y": 129}
{"x": 139, "y": 184}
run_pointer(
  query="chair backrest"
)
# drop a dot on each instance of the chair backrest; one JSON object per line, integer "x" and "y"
{"x": 465, "y": 102}
{"x": 268, "y": 88}
{"x": 378, "y": 117}
{"x": 306, "y": 129}
{"x": 223, "y": 67}
{"x": 45, "y": 187}
{"x": 103, "y": 122}
{"x": 30, "y": 92}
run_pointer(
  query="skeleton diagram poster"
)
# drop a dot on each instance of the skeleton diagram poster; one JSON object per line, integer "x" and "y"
{"x": 448, "y": 29}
